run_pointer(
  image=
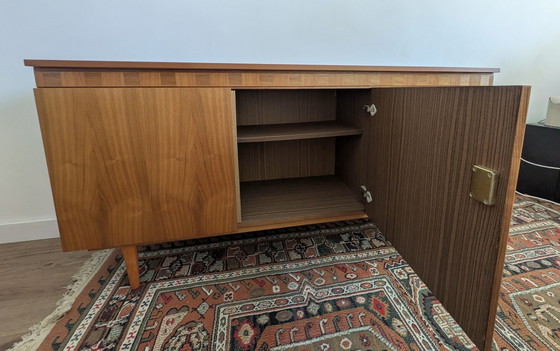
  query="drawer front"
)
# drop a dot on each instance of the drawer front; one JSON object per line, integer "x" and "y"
{"x": 139, "y": 165}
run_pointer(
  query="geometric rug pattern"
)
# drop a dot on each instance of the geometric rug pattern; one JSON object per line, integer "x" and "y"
{"x": 334, "y": 286}
{"x": 529, "y": 306}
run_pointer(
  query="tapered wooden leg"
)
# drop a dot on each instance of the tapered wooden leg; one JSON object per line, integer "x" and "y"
{"x": 130, "y": 254}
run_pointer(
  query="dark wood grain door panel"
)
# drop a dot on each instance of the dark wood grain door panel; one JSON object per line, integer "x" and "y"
{"x": 139, "y": 165}
{"x": 423, "y": 144}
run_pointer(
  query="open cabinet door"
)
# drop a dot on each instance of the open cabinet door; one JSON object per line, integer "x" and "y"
{"x": 423, "y": 144}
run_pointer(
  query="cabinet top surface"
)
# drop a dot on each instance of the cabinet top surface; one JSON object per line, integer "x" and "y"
{"x": 61, "y": 64}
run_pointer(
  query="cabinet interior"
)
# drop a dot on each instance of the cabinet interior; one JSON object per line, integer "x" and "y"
{"x": 296, "y": 153}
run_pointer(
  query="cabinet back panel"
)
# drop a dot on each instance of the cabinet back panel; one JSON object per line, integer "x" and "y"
{"x": 286, "y": 159}
{"x": 424, "y": 142}
{"x": 258, "y": 107}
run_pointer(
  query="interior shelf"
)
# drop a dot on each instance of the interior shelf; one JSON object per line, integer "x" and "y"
{"x": 297, "y": 198}
{"x": 293, "y": 131}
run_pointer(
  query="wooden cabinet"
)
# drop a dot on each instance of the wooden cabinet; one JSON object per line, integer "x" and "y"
{"x": 151, "y": 152}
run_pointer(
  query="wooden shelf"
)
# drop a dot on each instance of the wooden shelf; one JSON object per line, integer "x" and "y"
{"x": 276, "y": 201}
{"x": 293, "y": 131}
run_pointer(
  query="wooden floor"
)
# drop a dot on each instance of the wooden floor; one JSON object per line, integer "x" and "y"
{"x": 33, "y": 277}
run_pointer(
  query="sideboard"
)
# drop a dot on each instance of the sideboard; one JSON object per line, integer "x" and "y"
{"x": 145, "y": 152}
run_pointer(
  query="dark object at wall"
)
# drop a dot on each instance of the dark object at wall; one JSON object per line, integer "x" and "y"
{"x": 539, "y": 174}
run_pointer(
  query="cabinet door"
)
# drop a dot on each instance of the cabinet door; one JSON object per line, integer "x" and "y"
{"x": 139, "y": 165}
{"x": 423, "y": 145}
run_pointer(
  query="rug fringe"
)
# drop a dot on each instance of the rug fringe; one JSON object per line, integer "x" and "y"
{"x": 39, "y": 331}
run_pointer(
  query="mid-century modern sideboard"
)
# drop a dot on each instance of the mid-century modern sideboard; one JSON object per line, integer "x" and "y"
{"x": 142, "y": 152}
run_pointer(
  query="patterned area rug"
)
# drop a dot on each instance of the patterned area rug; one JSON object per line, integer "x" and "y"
{"x": 337, "y": 286}
{"x": 529, "y": 308}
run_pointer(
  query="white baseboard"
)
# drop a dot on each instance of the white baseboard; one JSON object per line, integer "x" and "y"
{"x": 25, "y": 231}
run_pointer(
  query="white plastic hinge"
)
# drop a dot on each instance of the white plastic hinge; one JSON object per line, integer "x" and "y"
{"x": 371, "y": 109}
{"x": 366, "y": 194}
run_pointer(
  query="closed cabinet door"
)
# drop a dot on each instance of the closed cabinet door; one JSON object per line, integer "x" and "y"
{"x": 139, "y": 165}
{"x": 424, "y": 143}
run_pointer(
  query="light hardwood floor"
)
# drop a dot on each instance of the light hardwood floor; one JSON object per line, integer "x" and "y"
{"x": 33, "y": 277}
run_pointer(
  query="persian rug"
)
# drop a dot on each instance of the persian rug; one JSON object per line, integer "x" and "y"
{"x": 529, "y": 306}
{"x": 335, "y": 286}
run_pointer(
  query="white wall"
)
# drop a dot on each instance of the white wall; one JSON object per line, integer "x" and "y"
{"x": 520, "y": 37}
